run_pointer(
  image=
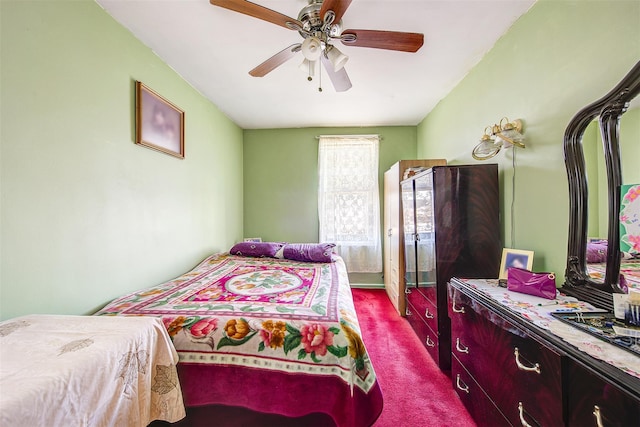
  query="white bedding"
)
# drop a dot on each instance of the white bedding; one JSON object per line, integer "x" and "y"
{"x": 87, "y": 371}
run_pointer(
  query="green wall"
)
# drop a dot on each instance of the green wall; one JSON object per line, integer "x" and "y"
{"x": 597, "y": 179}
{"x": 597, "y": 175}
{"x": 630, "y": 145}
{"x": 86, "y": 215}
{"x": 281, "y": 179}
{"x": 556, "y": 59}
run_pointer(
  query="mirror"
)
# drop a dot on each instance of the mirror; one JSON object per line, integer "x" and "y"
{"x": 597, "y": 224}
{"x": 608, "y": 111}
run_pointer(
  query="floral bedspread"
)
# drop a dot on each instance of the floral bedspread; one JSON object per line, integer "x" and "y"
{"x": 267, "y": 313}
{"x": 87, "y": 371}
{"x": 629, "y": 269}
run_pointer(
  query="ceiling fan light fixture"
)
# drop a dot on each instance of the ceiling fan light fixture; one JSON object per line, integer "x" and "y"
{"x": 312, "y": 48}
{"x": 309, "y": 67}
{"x": 319, "y": 23}
{"x": 337, "y": 58}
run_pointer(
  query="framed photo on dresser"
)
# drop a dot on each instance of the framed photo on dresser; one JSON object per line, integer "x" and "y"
{"x": 515, "y": 258}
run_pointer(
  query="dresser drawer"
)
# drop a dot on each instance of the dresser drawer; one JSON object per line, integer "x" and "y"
{"x": 522, "y": 376}
{"x": 427, "y": 336}
{"x": 430, "y": 293}
{"x": 423, "y": 308}
{"x": 593, "y": 401}
{"x": 483, "y": 411}
{"x": 467, "y": 333}
{"x": 532, "y": 390}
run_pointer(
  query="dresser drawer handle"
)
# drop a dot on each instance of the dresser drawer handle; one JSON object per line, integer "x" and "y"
{"x": 456, "y": 310}
{"x": 460, "y": 347}
{"x": 429, "y": 342}
{"x": 460, "y": 385}
{"x": 596, "y": 413}
{"x": 521, "y": 413}
{"x": 427, "y": 314}
{"x": 535, "y": 368}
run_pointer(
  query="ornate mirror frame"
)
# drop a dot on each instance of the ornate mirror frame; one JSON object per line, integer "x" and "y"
{"x": 608, "y": 110}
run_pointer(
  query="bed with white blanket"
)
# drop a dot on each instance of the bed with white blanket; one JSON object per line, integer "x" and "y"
{"x": 267, "y": 333}
{"x": 87, "y": 371}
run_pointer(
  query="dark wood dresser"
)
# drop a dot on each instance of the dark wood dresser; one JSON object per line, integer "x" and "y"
{"x": 451, "y": 228}
{"x": 393, "y": 237}
{"x": 511, "y": 368}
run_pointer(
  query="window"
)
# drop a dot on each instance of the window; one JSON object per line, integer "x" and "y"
{"x": 349, "y": 200}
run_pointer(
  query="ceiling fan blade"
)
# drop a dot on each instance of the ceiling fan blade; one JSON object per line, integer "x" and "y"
{"x": 339, "y": 7}
{"x": 391, "y": 40}
{"x": 256, "y": 11}
{"x": 340, "y": 79}
{"x": 275, "y": 61}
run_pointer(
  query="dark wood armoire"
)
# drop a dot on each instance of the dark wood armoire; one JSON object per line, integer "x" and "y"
{"x": 451, "y": 228}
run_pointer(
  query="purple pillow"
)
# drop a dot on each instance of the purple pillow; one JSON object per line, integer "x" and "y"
{"x": 309, "y": 252}
{"x": 597, "y": 251}
{"x": 256, "y": 249}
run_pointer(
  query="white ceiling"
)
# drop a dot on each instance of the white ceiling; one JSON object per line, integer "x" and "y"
{"x": 214, "y": 49}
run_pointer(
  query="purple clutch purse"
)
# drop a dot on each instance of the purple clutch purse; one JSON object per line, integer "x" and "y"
{"x": 527, "y": 282}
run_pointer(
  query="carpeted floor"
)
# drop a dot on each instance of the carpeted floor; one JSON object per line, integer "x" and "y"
{"x": 416, "y": 393}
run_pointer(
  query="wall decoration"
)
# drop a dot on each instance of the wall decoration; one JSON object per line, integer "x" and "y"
{"x": 159, "y": 123}
{"x": 630, "y": 220}
{"x": 515, "y": 258}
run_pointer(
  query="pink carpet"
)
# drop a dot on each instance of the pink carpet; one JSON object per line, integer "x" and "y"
{"x": 416, "y": 393}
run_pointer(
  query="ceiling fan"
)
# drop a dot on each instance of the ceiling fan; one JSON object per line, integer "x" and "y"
{"x": 320, "y": 23}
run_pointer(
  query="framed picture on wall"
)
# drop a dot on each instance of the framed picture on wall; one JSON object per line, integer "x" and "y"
{"x": 515, "y": 258}
{"x": 159, "y": 123}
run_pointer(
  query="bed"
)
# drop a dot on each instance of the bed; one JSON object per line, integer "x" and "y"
{"x": 596, "y": 258}
{"x": 629, "y": 269}
{"x": 87, "y": 371}
{"x": 271, "y": 328}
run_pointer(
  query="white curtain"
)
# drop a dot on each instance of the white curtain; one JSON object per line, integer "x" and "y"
{"x": 349, "y": 201}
